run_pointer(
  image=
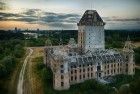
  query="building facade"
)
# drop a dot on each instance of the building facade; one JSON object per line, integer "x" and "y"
{"x": 75, "y": 63}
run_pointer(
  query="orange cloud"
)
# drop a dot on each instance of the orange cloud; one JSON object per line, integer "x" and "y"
{"x": 22, "y": 25}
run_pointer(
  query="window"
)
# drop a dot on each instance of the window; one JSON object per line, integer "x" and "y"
{"x": 99, "y": 74}
{"x": 61, "y": 66}
{"x": 98, "y": 68}
{"x": 91, "y": 69}
{"x": 62, "y": 71}
{"x": 71, "y": 72}
{"x": 114, "y": 65}
{"x": 105, "y": 66}
{"x": 108, "y": 66}
{"x": 75, "y": 71}
{"x": 83, "y": 70}
{"x": 91, "y": 74}
{"x": 111, "y": 65}
{"x": 107, "y": 71}
{"x": 114, "y": 70}
{"x": 75, "y": 78}
{"x": 71, "y": 78}
{"x": 62, "y": 84}
{"x": 88, "y": 74}
{"x": 88, "y": 69}
{"x": 62, "y": 77}
{"x": 84, "y": 76}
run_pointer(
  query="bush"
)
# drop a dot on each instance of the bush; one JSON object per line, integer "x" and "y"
{"x": 7, "y": 65}
{"x": 137, "y": 55}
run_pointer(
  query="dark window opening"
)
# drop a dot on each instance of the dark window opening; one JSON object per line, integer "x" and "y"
{"x": 62, "y": 84}
{"x": 83, "y": 76}
{"x": 71, "y": 78}
{"x": 99, "y": 74}
{"x": 75, "y": 78}
{"x": 62, "y": 77}
{"x": 62, "y": 71}
{"x": 98, "y": 68}
{"x": 83, "y": 70}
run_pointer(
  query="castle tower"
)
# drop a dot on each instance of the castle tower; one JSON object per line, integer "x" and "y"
{"x": 91, "y": 32}
{"x": 129, "y": 57}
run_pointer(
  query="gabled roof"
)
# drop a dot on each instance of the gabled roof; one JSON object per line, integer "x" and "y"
{"x": 90, "y": 18}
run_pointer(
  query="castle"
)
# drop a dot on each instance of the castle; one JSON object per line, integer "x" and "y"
{"x": 75, "y": 63}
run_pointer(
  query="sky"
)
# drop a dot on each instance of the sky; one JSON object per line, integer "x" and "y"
{"x": 65, "y": 14}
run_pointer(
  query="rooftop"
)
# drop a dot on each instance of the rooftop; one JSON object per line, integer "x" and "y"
{"x": 90, "y": 18}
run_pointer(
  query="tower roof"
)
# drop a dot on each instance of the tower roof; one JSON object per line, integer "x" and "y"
{"x": 128, "y": 45}
{"x": 90, "y": 18}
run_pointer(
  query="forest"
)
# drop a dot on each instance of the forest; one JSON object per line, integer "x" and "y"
{"x": 11, "y": 52}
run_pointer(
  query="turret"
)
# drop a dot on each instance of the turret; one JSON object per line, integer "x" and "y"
{"x": 129, "y": 57}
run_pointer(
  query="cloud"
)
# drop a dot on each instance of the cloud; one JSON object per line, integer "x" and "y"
{"x": 55, "y": 20}
{"x": 33, "y": 16}
{"x": 114, "y": 18}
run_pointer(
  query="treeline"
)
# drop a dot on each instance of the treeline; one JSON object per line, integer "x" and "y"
{"x": 113, "y": 38}
{"x": 11, "y": 48}
{"x": 57, "y": 37}
{"x": 116, "y": 38}
{"x": 7, "y": 35}
{"x": 137, "y": 55}
{"x": 11, "y": 51}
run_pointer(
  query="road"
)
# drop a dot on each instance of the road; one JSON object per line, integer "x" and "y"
{"x": 22, "y": 73}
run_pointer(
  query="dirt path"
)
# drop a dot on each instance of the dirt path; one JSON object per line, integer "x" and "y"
{"x": 137, "y": 44}
{"x": 22, "y": 73}
{"x": 32, "y": 83}
{"x": 29, "y": 82}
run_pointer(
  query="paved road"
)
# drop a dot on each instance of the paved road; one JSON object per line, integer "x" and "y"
{"x": 22, "y": 72}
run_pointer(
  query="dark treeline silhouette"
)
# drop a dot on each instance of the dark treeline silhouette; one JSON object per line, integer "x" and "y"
{"x": 121, "y": 35}
{"x": 11, "y": 53}
{"x": 5, "y": 35}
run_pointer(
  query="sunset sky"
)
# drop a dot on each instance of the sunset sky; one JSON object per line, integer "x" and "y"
{"x": 64, "y": 14}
